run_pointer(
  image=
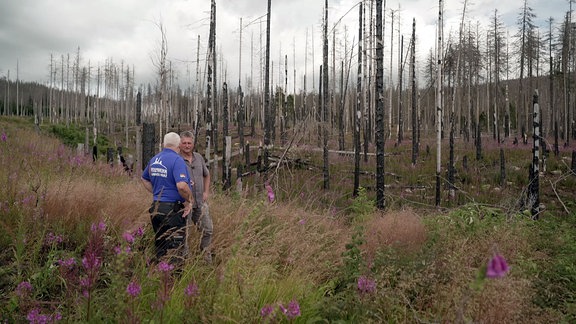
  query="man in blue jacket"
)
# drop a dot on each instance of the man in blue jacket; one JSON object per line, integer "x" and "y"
{"x": 166, "y": 177}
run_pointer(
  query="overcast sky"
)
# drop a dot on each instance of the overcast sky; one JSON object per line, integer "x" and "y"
{"x": 127, "y": 31}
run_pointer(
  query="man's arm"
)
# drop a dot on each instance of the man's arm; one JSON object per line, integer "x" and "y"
{"x": 147, "y": 184}
{"x": 184, "y": 191}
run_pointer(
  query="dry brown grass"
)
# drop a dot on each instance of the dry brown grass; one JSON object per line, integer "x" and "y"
{"x": 123, "y": 205}
{"x": 286, "y": 237}
{"x": 402, "y": 229}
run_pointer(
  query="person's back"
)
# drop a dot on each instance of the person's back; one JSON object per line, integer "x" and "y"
{"x": 166, "y": 176}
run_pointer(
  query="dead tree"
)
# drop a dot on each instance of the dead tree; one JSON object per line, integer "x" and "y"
{"x": 358, "y": 114}
{"x": 210, "y": 96}
{"x": 534, "y": 184}
{"x": 414, "y": 98}
{"x": 267, "y": 110}
{"x": 439, "y": 50}
{"x": 326, "y": 169}
{"x": 380, "y": 203}
{"x": 226, "y": 178}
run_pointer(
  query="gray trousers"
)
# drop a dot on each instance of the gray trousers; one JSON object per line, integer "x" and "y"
{"x": 203, "y": 223}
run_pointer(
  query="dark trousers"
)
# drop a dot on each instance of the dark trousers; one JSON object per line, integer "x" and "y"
{"x": 169, "y": 227}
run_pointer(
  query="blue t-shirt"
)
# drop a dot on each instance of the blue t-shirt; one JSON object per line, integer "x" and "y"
{"x": 164, "y": 170}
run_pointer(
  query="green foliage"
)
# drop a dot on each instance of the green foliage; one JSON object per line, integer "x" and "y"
{"x": 71, "y": 135}
{"x": 555, "y": 276}
{"x": 362, "y": 206}
{"x": 435, "y": 281}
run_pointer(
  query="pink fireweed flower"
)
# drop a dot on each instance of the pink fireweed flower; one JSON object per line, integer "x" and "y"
{"x": 23, "y": 289}
{"x": 138, "y": 232}
{"x": 128, "y": 237}
{"x": 270, "y": 191}
{"x": 366, "y": 285}
{"x": 133, "y": 289}
{"x": 266, "y": 311}
{"x": 85, "y": 282}
{"x": 91, "y": 261}
{"x": 100, "y": 227}
{"x": 68, "y": 263}
{"x": 52, "y": 238}
{"x": 497, "y": 267}
{"x": 292, "y": 311}
{"x": 35, "y": 317}
{"x": 165, "y": 267}
{"x": 191, "y": 290}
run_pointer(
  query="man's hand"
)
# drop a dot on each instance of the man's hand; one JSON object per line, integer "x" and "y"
{"x": 187, "y": 209}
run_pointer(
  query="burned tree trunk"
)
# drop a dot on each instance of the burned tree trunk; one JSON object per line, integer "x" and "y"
{"x": 326, "y": 170}
{"x": 414, "y": 98}
{"x": 534, "y": 187}
{"x": 267, "y": 110}
{"x": 358, "y": 113}
{"x": 226, "y": 150}
{"x": 210, "y": 81}
{"x": 439, "y": 103}
{"x": 380, "y": 203}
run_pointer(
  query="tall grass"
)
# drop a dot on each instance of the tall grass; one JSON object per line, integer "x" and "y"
{"x": 76, "y": 246}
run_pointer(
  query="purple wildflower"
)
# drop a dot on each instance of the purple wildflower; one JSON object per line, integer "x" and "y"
{"x": 133, "y": 289}
{"x": 138, "y": 232}
{"x": 497, "y": 267}
{"x": 35, "y": 317}
{"x": 91, "y": 262}
{"x": 270, "y": 191}
{"x": 4, "y": 137}
{"x": 266, "y": 311}
{"x": 128, "y": 237}
{"x": 165, "y": 267}
{"x": 366, "y": 285}
{"x": 191, "y": 290}
{"x": 117, "y": 250}
{"x": 302, "y": 221}
{"x": 52, "y": 238}
{"x": 85, "y": 282}
{"x": 100, "y": 227}
{"x": 292, "y": 311}
{"x": 23, "y": 289}
{"x": 68, "y": 263}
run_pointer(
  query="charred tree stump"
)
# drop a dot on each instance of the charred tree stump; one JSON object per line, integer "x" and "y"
{"x": 502, "y": 168}
{"x": 110, "y": 156}
{"x": 148, "y": 136}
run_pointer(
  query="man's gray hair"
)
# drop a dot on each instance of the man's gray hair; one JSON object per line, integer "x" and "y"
{"x": 171, "y": 140}
{"x": 187, "y": 134}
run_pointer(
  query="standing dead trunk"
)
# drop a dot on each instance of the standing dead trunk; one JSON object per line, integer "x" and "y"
{"x": 439, "y": 50}
{"x": 210, "y": 88}
{"x": 267, "y": 117}
{"x": 226, "y": 178}
{"x": 400, "y": 80}
{"x": 325, "y": 123}
{"x": 380, "y": 203}
{"x": 414, "y": 98}
{"x": 358, "y": 114}
{"x": 534, "y": 188}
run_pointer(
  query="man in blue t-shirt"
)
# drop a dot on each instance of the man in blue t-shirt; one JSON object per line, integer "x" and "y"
{"x": 166, "y": 177}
